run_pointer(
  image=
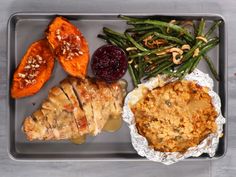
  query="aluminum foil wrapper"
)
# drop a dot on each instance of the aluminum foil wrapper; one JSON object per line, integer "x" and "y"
{"x": 140, "y": 144}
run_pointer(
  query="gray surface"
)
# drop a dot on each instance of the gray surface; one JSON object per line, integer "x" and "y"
{"x": 225, "y": 167}
{"x": 105, "y": 146}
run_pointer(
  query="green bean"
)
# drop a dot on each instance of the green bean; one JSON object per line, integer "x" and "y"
{"x": 203, "y": 50}
{"x": 109, "y": 40}
{"x": 184, "y": 66}
{"x": 184, "y": 69}
{"x": 137, "y": 45}
{"x": 131, "y": 72}
{"x": 177, "y": 28}
{"x": 213, "y": 27}
{"x": 140, "y": 67}
{"x": 139, "y": 33}
{"x": 162, "y": 65}
{"x": 184, "y": 73}
{"x": 121, "y": 42}
{"x": 117, "y": 38}
{"x": 209, "y": 46}
{"x": 101, "y": 36}
{"x": 197, "y": 45}
{"x": 194, "y": 64}
{"x": 168, "y": 71}
{"x": 109, "y": 31}
{"x": 163, "y": 30}
{"x": 159, "y": 50}
{"x": 160, "y": 57}
{"x": 210, "y": 42}
{"x": 159, "y": 70}
{"x": 139, "y": 26}
{"x": 191, "y": 51}
{"x": 145, "y": 36}
{"x": 212, "y": 68}
{"x": 198, "y": 58}
{"x": 128, "y": 18}
{"x": 168, "y": 38}
{"x": 195, "y": 29}
{"x": 143, "y": 28}
{"x": 155, "y": 63}
{"x": 137, "y": 74}
{"x": 201, "y": 27}
{"x": 165, "y": 67}
{"x": 161, "y": 60}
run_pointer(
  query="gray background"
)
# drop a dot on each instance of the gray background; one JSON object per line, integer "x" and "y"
{"x": 223, "y": 167}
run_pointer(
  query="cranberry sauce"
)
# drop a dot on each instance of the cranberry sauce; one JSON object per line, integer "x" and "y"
{"x": 109, "y": 63}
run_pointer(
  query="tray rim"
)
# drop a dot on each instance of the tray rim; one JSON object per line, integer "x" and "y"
{"x": 55, "y": 13}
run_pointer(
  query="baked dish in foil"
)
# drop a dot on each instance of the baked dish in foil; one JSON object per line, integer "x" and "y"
{"x": 171, "y": 120}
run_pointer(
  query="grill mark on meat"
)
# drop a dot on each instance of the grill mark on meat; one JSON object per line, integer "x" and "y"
{"x": 65, "y": 120}
{"x": 77, "y": 96}
{"x": 71, "y": 101}
{"x": 79, "y": 114}
{"x": 84, "y": 97}
{"x": 90, "y": 91}
{"x": 57, "y": 97}
{"x": 82, "y": 110}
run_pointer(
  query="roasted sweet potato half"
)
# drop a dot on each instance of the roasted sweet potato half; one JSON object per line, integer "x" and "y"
{"x": 70, "y": 47}
{"x": 34, "y": 70}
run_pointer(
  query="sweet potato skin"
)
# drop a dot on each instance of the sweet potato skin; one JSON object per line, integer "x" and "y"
{"x": 34, "y": 70}
{"x": 70, "y": 46}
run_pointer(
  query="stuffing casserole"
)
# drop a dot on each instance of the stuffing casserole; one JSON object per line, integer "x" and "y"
{"x": 176, "y": 116}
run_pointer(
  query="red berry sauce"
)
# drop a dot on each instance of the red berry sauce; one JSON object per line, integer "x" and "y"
{"x": 109, "y": 63}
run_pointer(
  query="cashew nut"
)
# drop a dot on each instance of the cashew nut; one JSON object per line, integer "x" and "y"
{"x": 130, "y": 48}
{"x": 185, "y": 47}
{"x": 175, "y": 49}
{"x": 175, "y": 60}
{"x": 202, "y": 38}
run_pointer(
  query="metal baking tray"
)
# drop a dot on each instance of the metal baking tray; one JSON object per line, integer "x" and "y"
{"x": 25, "y": 28}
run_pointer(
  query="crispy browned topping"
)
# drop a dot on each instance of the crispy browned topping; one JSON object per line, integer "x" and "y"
{"x": 149, "y": 42}
{"x": 176, "y": 116}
